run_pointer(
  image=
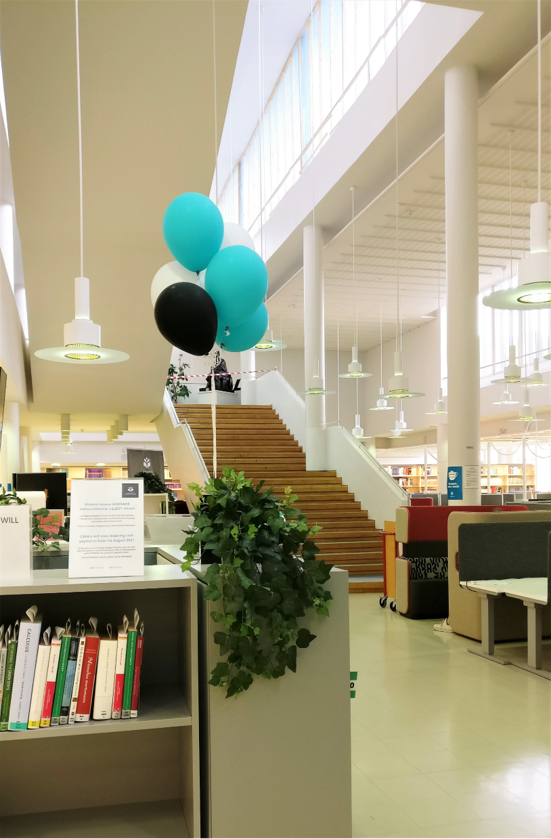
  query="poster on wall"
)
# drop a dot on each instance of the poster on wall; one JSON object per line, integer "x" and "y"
{"x": 472, "y": 477}
{"x": 455, "y": 483}
{"x": 144, "y": 460}
{"x": 107, "y": 528}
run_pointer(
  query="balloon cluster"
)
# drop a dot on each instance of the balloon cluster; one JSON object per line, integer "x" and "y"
{"x": 214, "y": 292}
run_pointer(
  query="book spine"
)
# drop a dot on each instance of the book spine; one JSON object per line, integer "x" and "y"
{"x": 50, "y": 683}
{"x": 69, "y": 682}
{"x": 87, "y": 679}
{"x": 76, "y": 683}
{"x": 60, "y": 680}
{"x": 8, "y": 685}
{"x": 3, "y": 657}
{"x": 105, "y": 679}
{"x": 25, "y": 665}
{"x": 137, "y": 678}
{"x": 39, "y": 686}
{"x": 129, "y": 673}
{"x": 119, "y": 677}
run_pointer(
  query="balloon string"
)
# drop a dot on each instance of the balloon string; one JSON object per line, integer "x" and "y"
{"x": 215, "y": 98}
{"x": 81, "y": 203}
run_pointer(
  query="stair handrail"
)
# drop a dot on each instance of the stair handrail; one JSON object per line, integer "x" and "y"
{"x": 375, "y": 463}
{"x": 188, "y": 434}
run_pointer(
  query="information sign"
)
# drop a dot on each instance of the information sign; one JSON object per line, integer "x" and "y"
{"x": 455, "y": 483}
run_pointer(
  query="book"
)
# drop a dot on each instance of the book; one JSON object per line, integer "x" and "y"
{"x": 51, "y": 678}
{"x": 136, "y": 683}
{"x": 3, "y": 654}
{"x": 40, "y": 676}
{"x": 119, "y": 669}
{"x": 61, "y": 674}
{"x": 8, "y": 680}
{"x": 78, "y": 674}
{"x": 105, "y": 676}
{"x": 129, "y": 666}
{"x": 25, "y": 664}
{"x": 69, "y": 677}
{"x": 88, "y": 676}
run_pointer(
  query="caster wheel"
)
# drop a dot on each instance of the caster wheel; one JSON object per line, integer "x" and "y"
{"x": 393, "y": 606}
{"x": 382, "y": 602}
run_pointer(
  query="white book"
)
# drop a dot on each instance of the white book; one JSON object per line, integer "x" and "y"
{"x": 40, "y": 676}
{"x": 122, "y": 638}
{"x": 78, "y": 673}
{"x": 3, "y": 656}
{"x": 25, "y": 664}
{"x": 105, "y": 676}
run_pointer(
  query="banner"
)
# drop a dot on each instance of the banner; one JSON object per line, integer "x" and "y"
{"x": 143, "y": 460}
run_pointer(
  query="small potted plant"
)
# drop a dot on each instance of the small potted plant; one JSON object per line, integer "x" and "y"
{"x": 177, "y": 388}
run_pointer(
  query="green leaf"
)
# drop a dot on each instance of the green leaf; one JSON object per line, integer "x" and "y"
{"x": 304, "y": 638}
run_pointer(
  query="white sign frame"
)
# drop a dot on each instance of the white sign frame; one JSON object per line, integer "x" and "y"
{"x": 16, "y": 552}
{"x": 106, "y": 528}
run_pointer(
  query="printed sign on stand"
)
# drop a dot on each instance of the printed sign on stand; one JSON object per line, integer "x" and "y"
{"x": 455, "y": 483}
{"x": 107, "y": 528}
{"x": 15, "y": 542}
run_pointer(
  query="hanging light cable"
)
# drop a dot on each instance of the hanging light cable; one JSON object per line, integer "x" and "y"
{"x": 382, "y": 404}
{"x": 355, "y": 370}
{"x": 82, "y": 337}
{"x": 534, "y": 270}
{"x": 398, "y": 385}
{"x": 440, "y": 406}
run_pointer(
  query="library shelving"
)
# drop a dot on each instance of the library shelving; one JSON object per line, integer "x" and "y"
{"x": 503, "y": 477}
{"x": 112, "y": 777}
{"x": 83, "y": 470}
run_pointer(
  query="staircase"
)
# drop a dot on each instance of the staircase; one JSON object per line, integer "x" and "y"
{"x": 253, "y": 439}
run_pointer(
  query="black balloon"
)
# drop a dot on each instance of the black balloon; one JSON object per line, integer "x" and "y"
{"x": 186, "y": 316}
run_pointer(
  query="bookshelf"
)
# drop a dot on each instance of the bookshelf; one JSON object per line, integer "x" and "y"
{"x": 103, "y": 777}
{"x": 503, "y": 477}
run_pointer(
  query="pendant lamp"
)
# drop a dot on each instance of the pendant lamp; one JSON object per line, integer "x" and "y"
{"x": 527, "y": 413}
{"x": 398, "y": 385}
{"x": 269, "y": 343}
{"x": 355, "y": 370}
{"x": 440, "y": 406}
{"x": 536, "y": 378}
{"x": 506, "y": 398}
{"x": 382, "y": 404}
{"x": 512, "y": 373}
{"x": 534, "y": 271}
{"x": 316, "y": 386}
{"x": 81, "y": 337}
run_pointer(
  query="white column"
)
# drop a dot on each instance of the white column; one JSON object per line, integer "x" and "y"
{"x": 248, "y": 362}
{"x": 10, "y": 453}
{"x": 314, "y": 345}
{"x": 461, "y": 151}
{"x": 442, "y": 456}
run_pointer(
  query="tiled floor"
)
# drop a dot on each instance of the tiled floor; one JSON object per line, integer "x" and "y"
{"x": 444, "y": 744}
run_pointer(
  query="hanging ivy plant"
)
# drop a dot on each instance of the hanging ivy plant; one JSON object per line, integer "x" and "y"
{"x": 265, "y": 576}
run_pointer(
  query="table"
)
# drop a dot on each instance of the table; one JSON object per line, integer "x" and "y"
{"x": 534, "y": 593}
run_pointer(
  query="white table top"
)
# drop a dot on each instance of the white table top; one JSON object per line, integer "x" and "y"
{"x": 526, "y": 588}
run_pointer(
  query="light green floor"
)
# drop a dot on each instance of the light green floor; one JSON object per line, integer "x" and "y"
{"x": 444, "y": 744}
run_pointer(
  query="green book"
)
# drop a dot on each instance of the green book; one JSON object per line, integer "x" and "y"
{"x": 129, "y": 666}
{"x": 8, "y": 680}
{"x": 61, "y": 674}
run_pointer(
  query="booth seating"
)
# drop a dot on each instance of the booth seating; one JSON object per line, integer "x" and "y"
{"x": 504, "y": 562}
{"x": 421, "y": 502}
{"x": 464, "y": 606}
{"x": 422, "y": 566}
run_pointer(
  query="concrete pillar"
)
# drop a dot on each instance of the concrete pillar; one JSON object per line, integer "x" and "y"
{"x": 314, "y": 346}
{"x": 461, "y": 171}
{"x": 442, "y": 456}
{"x": 248, "y": 362}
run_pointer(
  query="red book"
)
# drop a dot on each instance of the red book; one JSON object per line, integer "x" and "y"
{"x": 87, "y": 679}
{"x": 137, "y": 674}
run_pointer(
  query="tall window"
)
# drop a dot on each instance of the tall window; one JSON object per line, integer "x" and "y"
{"x": 342, "y": 47}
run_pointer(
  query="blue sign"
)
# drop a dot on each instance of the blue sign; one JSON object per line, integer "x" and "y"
{"x": 455, "y": 483}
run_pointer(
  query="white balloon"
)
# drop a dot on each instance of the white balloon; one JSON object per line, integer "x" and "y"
{"x": 172, "y": 273}
{"x": 234, "y": 234}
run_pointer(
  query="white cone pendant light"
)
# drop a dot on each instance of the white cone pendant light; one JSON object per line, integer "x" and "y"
{"x": 506, "y": 398}
{"x": 512, "y": 373}
{"x": 440, "y": 406}
{"x": 357, "y": 431}
{"x": 269, "y": 343}
{"x": 400, "y": 427}
{"x": 382, "y": 404}
{"x": 535, "y": 379}
{"x": 81, "y": 337}
{"x": 527, "y": 413}
{"x": 534, "y": 271}
{"x": 355, "y": 370}
{"x": 398, "y": 385}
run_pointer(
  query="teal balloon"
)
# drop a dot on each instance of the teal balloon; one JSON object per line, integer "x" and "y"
{"x": 237, "y": 281}
{"x": 246, "y": 335}
{"x": 193, "y": 229}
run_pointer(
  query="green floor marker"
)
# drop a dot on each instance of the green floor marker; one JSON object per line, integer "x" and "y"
{"x": 353, "y": 680}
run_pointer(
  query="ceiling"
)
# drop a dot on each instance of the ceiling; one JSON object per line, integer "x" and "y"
{"x": 148, "y": 135}
{"x": 417, "y": 255}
